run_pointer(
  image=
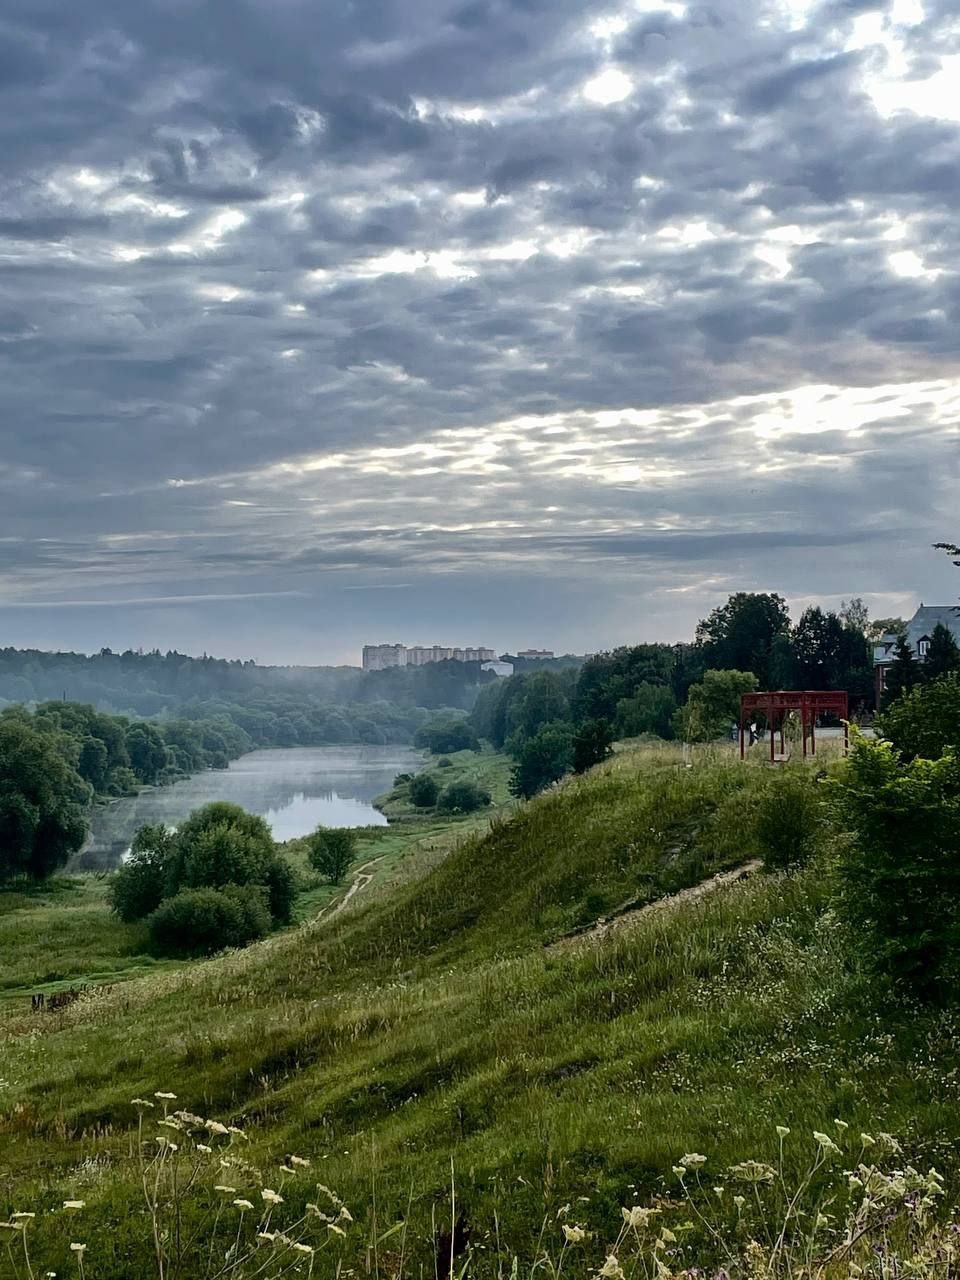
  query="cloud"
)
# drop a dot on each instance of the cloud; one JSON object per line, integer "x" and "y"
{"x": 392, "y": 289}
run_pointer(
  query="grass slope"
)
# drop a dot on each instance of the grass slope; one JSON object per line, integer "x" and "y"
{"x": 431, "y": 1025}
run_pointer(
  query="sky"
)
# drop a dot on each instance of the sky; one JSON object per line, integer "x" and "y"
{"x": 522, "y": 323}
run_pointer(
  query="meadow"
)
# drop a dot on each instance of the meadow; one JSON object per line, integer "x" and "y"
{"x": 467, "y": 1087}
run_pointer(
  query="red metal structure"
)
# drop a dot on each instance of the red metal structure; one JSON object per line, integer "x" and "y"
{"x": 810, "y": 703}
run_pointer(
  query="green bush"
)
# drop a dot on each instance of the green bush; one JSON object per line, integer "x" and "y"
{"x": 899, "y": 871}
{"x": 788, "y": 819}
{"x": 446, "y": 734}
{"x": 444, "y": 763}
{"x": 136, "y": 887}
{"x": 592, "y": 744}
{"x": 280, "y": 882}
{"x": 542, "y": 759}
{"x": 925, "y": 721}
{"x": 463, "y": 796}
{"x": 331, "y": 850}
{"x": 199, "y": 922}
{"x": 424, "y": 791}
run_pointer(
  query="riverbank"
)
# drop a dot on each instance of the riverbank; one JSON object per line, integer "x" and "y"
{"x": 62, "y": 934}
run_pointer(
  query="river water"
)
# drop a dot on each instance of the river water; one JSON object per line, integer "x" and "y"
{"x": 295, "y": 789}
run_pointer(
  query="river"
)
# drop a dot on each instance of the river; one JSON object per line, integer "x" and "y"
{"x": 295, "y": 789}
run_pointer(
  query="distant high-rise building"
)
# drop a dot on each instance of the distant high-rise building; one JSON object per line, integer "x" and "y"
{"x": 379, "y": 657}
{"x": 534, "y": 655}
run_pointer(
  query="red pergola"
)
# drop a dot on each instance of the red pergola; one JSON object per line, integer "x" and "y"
{"x": 810, "y": 703}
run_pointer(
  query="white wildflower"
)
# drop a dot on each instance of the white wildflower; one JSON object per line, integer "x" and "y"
{"x": 270, "y": 1197}
{"x": 74, "y": 1204}
{"x": 242, "y": 1204}
{"x": 573, "y": 1235}
{"x": 611, "y": 1269}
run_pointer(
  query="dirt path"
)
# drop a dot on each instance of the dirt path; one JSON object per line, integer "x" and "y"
{"x": 604, "y": 928}
{"x": 362, "y": 877}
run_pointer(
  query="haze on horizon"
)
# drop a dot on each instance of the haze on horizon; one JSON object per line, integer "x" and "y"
{"x": 503, "y": 322}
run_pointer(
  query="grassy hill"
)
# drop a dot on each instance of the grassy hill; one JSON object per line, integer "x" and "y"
{"x": 439, "y": 1061}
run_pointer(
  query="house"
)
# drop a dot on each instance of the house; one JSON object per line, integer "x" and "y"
{"x": 919, "y": 630}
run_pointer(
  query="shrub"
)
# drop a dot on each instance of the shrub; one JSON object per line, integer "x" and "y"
{"x": 899, "y": 874}
{"x": 331, "y": 850}
{"x": 424, "y": 791}
{"x": 714, "y": 704}
{"x": 925, "y": 721}
{"x": 463, "y": 796}
{"x": 788, "y": 819}
{"x": 220, "y": 844}
{"x": 592, "y": 744}
{"x": 136, "y": 888}
{"x": 199, "y": 922}
{"x": 543, "y": 759}
{"x": 280, "y": 882}
{"x": 443, "y": 735}
{"x": 444, "y": 763}
{"x": 402, "y": 778}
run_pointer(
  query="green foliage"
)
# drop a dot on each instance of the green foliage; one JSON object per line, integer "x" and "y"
{"x": 943, "y": 653}
{"x": 42, "y": 802}
{"x": 788, "y": 819}
{"x": 331, "y": 851}
{"x": 714, "y": 704}
{"x": 446, "y": 734}
{"x": 739, "y": 635}
{"x": 592, "y": 744}
{"x": 517, "y": 708}
{"x": 542, "y": 760}
{"x": 609, "y": 678}
{"x": 462, "y": 796}
{"x": 424, "y": 790}
{"x": 147, "y": 752}
{"x": 831, "y": 654}
{"x": 899, "y": 873}
{"x": 444, "y": 763}
{"x": 200, "y": 922}
{"x": 651, "y": 709}
{"x": 219, "y": 849}
{"x": 137, "y": 886}
{"x": 282, "y": 887}
{"x": 925, "y": 720}
{"x": 903, "y": 673}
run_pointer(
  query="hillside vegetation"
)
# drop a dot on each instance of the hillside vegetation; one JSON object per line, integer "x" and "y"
{"x": 432, "y": 1039}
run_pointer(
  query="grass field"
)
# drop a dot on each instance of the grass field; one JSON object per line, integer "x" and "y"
{"x": 428, "y": 1034}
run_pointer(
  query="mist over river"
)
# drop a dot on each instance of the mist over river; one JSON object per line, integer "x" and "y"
{"x": 294, "y": 789}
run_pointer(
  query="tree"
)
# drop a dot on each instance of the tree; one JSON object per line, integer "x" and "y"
{"x": 925, "y": 720}
{"x": 42, "y": 802}
{"x": 854, "y": 613}
{"x": 330, "y": 851}
{"x": 881, "y": 627}
{"x": 739, "y": 635}
{"x": 136, "y": 887}
{"x": 463, "y": 796}
{"x": 220, "y": 844}
{"x": 544, "y": 701}
{"x": 607, "y": 678}
{"x": 899, "y": 874}
{"x": 423, "y": 791}
{"x": 902, "y": 674}
{"x": 446, "y": 734}
{"x": 714, "y": 704}
{"x": 832, "y": 654}
{"x": 943, "y": 653}
{"x": 651, "y": 709}
{"x": 543, "y": 759}
{"x": 592, "y": 744}
{"x": 147, "y": 752}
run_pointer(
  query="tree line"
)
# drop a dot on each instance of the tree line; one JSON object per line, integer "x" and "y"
{"x": 553, "y": 722}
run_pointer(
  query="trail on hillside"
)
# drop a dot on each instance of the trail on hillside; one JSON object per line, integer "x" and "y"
{"x": 361, "y": 879}
{"x": 606, "y": 926}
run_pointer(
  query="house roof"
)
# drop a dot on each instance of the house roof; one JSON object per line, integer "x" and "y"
{"x": 921, "y": 625}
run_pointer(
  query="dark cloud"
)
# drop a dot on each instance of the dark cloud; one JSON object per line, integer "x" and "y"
{"x": 280, "y": 281}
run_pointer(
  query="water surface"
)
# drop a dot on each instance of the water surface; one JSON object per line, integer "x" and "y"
{"x": 295, "y": 789}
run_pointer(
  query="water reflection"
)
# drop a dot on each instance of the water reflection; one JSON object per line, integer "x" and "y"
{"x": 294, "y": 789}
